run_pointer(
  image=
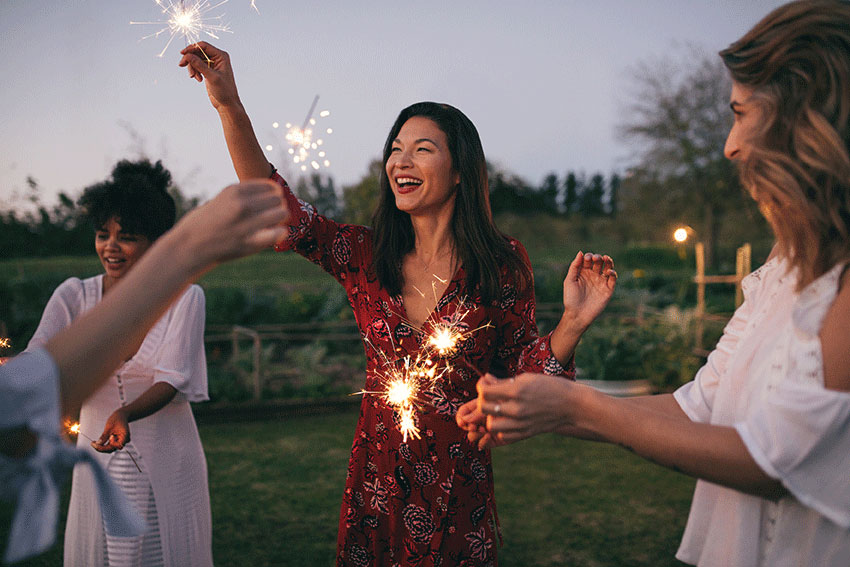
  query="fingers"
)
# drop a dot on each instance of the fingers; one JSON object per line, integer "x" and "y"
{"x": 200, "y": 47}
{"x": 575, "y": 266}
{"x": 495, "y": 391}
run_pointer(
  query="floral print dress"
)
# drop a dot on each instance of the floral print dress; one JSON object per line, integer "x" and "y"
{"x": 426, "y": 501}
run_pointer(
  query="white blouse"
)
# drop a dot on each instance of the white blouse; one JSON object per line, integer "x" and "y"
{"x": 765, "y": 378}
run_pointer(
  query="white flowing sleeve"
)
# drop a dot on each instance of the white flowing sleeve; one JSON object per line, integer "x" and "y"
{"x": 696, "y": 398}
{"x": 182, "y": 360}
{"x": 800, "y": 435}
{"x": 29, "y": 397}
{"x": 63, "y": 307}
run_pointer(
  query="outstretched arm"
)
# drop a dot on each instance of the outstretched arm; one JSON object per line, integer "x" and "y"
{"x": 241, "y": 220}
{"x": 533, "y": 404}
{"x": 247, "y": 156}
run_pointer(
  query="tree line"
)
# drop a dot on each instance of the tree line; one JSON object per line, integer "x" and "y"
{"x": 677, "y": 122}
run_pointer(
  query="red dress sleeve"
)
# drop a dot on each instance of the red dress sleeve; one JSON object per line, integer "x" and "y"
{"x": 520, "y": 348}
{"x": 339, "y": 248}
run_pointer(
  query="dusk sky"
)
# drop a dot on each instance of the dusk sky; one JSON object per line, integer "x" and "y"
{"x": 545, "y": 82}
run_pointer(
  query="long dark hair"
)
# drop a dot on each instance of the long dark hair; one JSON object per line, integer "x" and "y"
{"x": 797, "y": 167}
{"x": 478, "y": 243}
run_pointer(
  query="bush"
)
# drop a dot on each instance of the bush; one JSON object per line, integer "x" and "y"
{"x": 659, "y": 349}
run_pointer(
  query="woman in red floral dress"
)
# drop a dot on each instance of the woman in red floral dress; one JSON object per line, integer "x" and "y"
{"x": 433, "y": 255}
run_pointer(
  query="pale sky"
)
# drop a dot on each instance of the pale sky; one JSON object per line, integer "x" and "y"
{"x": 545, "y": 81}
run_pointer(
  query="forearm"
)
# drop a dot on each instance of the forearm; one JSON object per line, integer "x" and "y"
{"x": 247, "y": 156}
{"x": 713, "y": 453}
{"x": 565, "y": 338}
{"x": 151, "y": 401}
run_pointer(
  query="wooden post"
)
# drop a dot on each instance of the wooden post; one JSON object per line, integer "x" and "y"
{"x": 700, "y": 281}
{"x": 743, "y": 264}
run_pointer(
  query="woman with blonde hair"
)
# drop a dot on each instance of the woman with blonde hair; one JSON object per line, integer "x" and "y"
{"x": 765, "y": 424}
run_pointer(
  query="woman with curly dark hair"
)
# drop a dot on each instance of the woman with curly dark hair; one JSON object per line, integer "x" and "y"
{"x": 765, "y": 424}
{"x": 432, "y": 255}
{"x": 141, "y": 422}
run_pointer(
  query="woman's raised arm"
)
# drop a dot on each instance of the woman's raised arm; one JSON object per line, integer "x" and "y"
{"x": 206, "y": 62}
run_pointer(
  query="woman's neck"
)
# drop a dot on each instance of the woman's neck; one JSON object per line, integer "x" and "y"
{"x": 433, "y": 237}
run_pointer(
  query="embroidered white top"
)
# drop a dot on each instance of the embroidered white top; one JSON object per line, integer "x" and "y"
{"x": 765, "y": 378}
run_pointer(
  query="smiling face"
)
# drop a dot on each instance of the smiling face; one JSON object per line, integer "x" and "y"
{"x": 420, "y": 169}
{"x": 118, "y": 250}
{"x": 747, "y": 117}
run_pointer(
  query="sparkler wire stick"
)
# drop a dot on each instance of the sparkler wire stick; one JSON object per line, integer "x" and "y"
{"x": 75, "y": 430}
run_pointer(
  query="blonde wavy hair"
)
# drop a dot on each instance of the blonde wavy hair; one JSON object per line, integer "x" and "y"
{"x": 797, "y": 165}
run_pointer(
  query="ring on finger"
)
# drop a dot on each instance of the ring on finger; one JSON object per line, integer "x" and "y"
{"x": 497, "y": 409}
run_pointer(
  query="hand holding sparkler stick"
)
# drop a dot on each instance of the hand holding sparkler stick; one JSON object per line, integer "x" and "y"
{"x": 205, "y": 61}
{"x": 74, "y": 429}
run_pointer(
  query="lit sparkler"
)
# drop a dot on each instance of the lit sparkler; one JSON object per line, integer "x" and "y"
{"x": 74, "y": 429}
{"x": 190, "y": 19}
{"x": 403, "y": 382}
{"x": 5, "y": 342}
{"x": 305, "y": 145}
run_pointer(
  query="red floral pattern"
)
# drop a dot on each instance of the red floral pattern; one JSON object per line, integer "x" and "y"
{"x": 426, "y": 502}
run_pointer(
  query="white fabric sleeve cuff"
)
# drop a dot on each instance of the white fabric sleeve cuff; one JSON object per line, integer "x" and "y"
{"x": 800, "y": 435}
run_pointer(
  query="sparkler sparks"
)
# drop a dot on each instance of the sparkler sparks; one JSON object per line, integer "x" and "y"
{"x": 5, "y": 342}
{"x": 74, "y": 429}
{"x": 304, "y": 141}
{"x": 403, "y": 382}
{"x": 190, "y": 19}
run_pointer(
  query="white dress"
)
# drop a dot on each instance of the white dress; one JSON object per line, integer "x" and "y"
{"x": 171, "y": 492}
{"x": 766, "y": 379}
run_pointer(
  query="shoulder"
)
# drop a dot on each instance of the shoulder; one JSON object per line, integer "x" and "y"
{"x": 194, "y": 295}
{"x": 835, "y": 341}
{"x": 71, "y": 290}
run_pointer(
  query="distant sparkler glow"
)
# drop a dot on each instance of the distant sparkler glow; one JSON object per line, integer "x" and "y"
{"x": 304, "y": 141}
{"x": 190, "y": 19}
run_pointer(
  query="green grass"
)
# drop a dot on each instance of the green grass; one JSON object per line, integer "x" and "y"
{"x": 276, "y": 488}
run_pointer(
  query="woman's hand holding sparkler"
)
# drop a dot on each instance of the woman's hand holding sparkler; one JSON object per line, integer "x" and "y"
{"x": 205, "y": 61}
{"x": 588, "y": 287}
{"x": 507, "y": 411}
{"x": 116, "y": 433}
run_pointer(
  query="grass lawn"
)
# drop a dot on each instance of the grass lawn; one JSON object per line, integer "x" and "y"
{"x": 276, "y": 487}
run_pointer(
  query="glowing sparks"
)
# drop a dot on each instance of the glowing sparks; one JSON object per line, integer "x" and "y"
{"x": 305, "y": 145}
{"x": 190, "y": 19}
{"x": 5, "y": 342}
{"x": 403, "y": 383}
{"x": 75, "y": 429}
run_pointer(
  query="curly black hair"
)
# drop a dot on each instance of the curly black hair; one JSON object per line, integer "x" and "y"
{"x": 136, "y": 195}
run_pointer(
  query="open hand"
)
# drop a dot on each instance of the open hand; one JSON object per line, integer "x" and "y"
{"x": 588, "y": 288}
{"x": 251, "y": 215}
{"x": 205, "y": 61}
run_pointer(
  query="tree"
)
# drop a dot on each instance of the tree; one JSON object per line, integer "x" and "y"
{"x": 613, "y": 195}
{"x": 549, "y": 194}
{"x": 679, "y": 119}
{"x": 590, "y": 199}
{"x": 361, "y": 199}
{"x": 320, "y": 193}
{"x": 571, "y": 191}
